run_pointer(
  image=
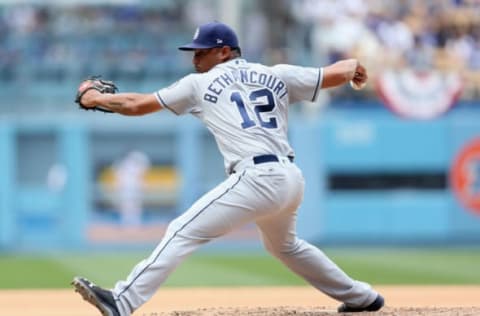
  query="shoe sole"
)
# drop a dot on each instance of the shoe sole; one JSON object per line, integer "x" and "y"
{"x": 90, "y": 296}
{"x": 373, "y": 307}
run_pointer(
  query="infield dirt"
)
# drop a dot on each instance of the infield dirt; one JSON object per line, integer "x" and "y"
{"x": 274, "y": 301}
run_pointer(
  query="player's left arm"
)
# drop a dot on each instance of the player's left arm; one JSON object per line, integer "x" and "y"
{"x": 131, "y": 104}
{"x": 342, "y": 72}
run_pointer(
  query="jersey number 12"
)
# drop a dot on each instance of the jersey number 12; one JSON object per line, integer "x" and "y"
{"x": 268, "y": 106}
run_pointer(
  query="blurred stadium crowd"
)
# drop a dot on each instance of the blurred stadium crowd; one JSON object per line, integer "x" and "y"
{"x": 60, "y": 43}
{"x": 423, "y": 35}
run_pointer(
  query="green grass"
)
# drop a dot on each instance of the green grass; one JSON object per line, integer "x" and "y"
{"x": 377, "y": 266}
{"x": 29, "y": 272}
{"x": 412, "y": 266}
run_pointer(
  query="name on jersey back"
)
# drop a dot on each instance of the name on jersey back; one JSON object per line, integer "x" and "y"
{"x": 245, "y": 76}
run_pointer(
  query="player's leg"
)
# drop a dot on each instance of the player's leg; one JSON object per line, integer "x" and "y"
{"x": 280, "y": 239}
{"x": 309, "y": 262}
{"x": 215, "y": 214}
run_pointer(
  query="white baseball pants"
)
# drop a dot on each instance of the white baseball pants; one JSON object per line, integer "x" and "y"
{"x": 268, "y": 194}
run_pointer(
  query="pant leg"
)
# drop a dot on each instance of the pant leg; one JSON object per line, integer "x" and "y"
{"x": 280, "y": 239}
{"x": 231, "y": 204}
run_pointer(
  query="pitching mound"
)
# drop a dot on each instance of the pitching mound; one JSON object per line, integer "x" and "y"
{"x": 319, "y": 311}
{"x": 271, "y": 301}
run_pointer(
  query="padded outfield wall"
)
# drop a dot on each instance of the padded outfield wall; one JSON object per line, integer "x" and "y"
{"x": 372, "y": 178}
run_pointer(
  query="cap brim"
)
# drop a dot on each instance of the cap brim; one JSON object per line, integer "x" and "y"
{"x": 193, "y": 46}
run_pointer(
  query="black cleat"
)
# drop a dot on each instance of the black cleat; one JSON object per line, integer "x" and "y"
{"x": 375, "y": 306}
{"x": 95, "y": 295}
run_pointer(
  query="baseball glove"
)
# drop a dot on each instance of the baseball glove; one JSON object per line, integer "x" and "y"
{"x": 102, "y": 86}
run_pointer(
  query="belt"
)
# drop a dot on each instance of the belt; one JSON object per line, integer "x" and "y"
{"x": 256, "y": 160}
{"x": 268, "y": 158}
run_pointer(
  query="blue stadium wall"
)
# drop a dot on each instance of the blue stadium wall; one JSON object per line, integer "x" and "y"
{"x": 363, "y": 140}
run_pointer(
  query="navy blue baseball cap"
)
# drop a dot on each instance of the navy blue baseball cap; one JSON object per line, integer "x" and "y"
{"x": 214, "y": 34}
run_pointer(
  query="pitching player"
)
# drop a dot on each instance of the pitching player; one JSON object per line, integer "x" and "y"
{"x": 245, "y": 107}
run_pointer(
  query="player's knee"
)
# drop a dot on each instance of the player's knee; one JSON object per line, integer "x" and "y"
{"x": 178, "y": 229}
{"x": 173, "y": 227}
{"x": 283, "y": 249}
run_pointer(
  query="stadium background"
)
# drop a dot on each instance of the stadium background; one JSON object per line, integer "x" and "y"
{"x": 379, "y": 198}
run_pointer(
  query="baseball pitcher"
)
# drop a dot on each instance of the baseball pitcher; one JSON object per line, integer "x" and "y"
{"x": 245, "y": 106}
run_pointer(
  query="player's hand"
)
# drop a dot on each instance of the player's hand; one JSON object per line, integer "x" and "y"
{"x": 360, "y": 77}
{"x": 88, "y": 98}
{"x": 90, "y": 89}
{"x": 344, "y": 71}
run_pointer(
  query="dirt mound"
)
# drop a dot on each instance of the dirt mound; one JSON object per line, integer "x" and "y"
{"x": 320, "y": 311}
{"x": 251, "y": 301}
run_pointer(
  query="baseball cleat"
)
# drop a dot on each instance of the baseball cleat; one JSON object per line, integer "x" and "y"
{"x": 375, "y": 306}
{"x": 95, "y": 295}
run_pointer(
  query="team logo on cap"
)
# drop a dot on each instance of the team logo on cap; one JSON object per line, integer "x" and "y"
{"x": 219, "y": 41}
{"x": 197, "y": 32}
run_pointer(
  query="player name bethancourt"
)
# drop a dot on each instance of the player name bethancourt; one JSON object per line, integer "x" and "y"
{"x": 246, "y": 76}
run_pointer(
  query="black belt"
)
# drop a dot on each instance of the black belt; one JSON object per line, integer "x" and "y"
{"x": 268, "y": 158}
{"x": 262, "y": 159}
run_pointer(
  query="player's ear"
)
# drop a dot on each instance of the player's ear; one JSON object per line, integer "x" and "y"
{"x": 226, "y": 52}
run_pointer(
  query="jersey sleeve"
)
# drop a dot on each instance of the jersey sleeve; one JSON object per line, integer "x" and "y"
{"x": 180, "y": 96}
{"x": 302, "y": 83}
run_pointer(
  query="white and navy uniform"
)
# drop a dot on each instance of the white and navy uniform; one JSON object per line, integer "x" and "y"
{"x": 245, "y": 107}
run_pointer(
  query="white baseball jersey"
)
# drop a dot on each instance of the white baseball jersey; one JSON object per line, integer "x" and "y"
{"x": 244, "y": 105}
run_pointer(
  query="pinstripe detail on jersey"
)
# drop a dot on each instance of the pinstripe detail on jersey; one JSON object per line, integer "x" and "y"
{"x": 159, "y": 98}
{"x": 318, "y": 84}
{"x": 178, "y": 231}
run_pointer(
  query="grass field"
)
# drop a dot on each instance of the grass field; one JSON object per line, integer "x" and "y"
{"x": 377, "y": 266}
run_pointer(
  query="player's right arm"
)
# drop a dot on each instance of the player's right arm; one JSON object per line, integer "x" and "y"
{"x": 131, "y": 104}
{"x": 304, "y": 82}
{"x": 342, "y": 72}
